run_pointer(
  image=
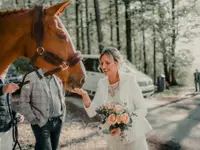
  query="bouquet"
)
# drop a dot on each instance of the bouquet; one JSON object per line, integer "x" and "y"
{"x": 115, "y": 119}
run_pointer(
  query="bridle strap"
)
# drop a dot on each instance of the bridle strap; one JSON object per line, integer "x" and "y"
{"x": 65, "y": 64}
{"x": 37, "y": 34}
{"x": 75, "y": 59}
{"x": 52, "y": 58}
{"x": 32, "y": 62}
{"x": 49, "y": 57}
{"x": 55, "y": 60}
{"x": 38, "y": 26}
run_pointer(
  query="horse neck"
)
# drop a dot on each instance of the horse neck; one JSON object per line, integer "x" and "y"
{"x": 15, "y": 30}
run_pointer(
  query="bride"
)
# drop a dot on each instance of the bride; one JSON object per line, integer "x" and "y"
{"x": 119, "y": 87}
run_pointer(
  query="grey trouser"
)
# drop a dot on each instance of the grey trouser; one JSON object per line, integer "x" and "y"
{"x": 197, "y": 85}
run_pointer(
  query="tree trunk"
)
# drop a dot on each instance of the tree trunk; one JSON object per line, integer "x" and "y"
{"x": 117, "y": 24}
{"x": 163, "y": 44}
{"x": 143, "y": 38}
{"x": 16, "y": 2}
{"x": 140, "y": 55}
{"x": 154, "y": 53}
{"x": 144, "y": 50}
{"x": 77, "y": 25}
{"x": 135, "y": 49}
{"x": 128, "y": 31}
{"x": 173, "y": 72}
{"x": 91, "y": 26}
{"x": 134, "y": 35}
{"x": 87, "y": 27}
{"x": 165, "y": 63}
{"x": 111, "y": 23}
{"x": 154, "y": 56}
{"x": 82, "y": 32}
{"x": 98, "y": 24}
{"x": 29, "y": 3}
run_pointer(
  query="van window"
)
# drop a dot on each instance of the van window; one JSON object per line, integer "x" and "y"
{"x": 91, "y": 64}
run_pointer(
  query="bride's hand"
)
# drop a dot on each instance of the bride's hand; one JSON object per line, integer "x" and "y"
{"x": 85, "y": 96}
{"x": 79, "y": 91}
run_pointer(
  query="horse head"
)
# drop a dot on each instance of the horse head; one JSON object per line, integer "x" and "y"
{"x": 52, "y": 44}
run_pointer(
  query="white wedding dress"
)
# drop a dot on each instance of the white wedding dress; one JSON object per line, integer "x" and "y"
{"x": 115, "y": 142}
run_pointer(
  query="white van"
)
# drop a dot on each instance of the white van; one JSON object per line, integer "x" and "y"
{"x": 91, "y": 63}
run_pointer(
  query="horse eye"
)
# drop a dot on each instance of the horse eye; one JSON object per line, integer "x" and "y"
{"x": 62, "y": 36}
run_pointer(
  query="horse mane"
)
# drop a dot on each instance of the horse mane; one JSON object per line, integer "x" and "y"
{"x": 10, "y": 12}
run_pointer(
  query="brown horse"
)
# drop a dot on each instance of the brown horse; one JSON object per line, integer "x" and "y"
{"x": 38, "y": 31}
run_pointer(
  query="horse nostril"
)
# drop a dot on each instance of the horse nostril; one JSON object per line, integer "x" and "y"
{"x": 76, "y": 83}
{"x": 82, "y": 81}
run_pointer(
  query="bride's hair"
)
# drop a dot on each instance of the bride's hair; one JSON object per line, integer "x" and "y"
{"x": 112, "y": 51}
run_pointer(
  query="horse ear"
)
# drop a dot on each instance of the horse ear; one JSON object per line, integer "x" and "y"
{"x": 58, "y": 8}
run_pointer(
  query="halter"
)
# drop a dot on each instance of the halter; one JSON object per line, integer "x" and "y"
{"x": 49, "y": 57}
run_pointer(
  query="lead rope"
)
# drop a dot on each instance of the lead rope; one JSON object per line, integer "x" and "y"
{"x": 14, "y": 125}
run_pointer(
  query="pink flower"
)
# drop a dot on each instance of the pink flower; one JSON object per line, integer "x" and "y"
{"x": 115, "y": 131}
{"x": 125, "y": 118}
{"x": 112, "y": 119}
{"x": 117, "y": 108}
{"x": 108, "y": 106}
{"x": 119, "y": 119}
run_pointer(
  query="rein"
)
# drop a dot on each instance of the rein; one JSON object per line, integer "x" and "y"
{"x": 14, "y": 124}
{"x": 49, "y": 57}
